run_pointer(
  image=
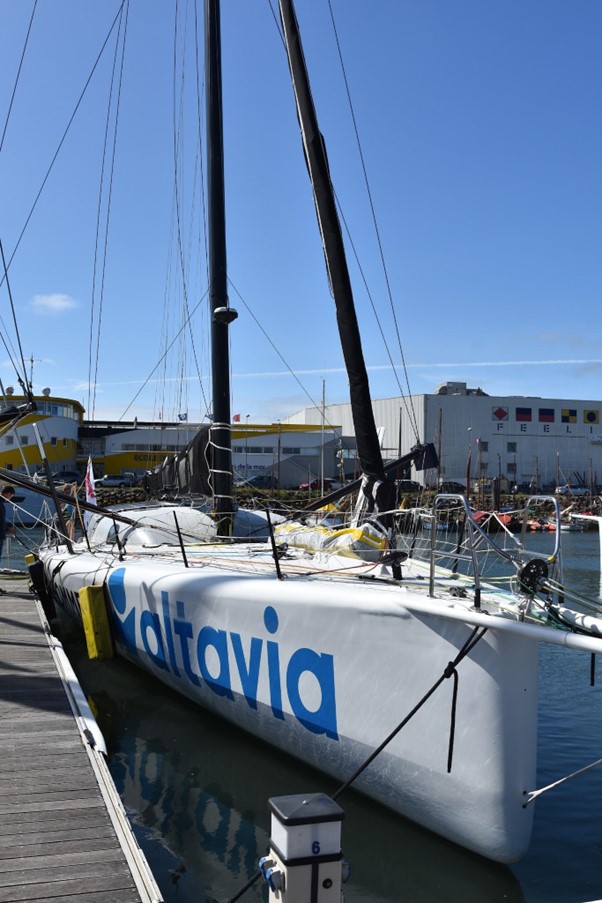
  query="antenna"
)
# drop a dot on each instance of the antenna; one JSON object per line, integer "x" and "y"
{"x": 32, "y": 361}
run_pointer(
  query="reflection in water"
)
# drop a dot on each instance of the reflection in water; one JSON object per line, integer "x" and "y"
{"x": 196, "y": 789}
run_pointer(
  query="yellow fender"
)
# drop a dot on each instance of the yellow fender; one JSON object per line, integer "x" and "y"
{"x": 96, "y": 622}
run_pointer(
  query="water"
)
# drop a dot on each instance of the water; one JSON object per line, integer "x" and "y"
{"x": 196, "y": 790}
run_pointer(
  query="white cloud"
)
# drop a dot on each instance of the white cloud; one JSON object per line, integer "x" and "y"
{"x": 53, "y": 304}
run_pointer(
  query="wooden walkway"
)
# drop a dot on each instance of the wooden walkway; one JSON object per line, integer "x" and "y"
{"x": 63, "y": 830}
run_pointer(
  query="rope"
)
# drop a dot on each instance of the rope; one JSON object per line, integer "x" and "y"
{"x": 450, "y": 671}
{"x": 92, "y": 381}
{"x": 12, "y": 99}
{"x": 245, "y": 888}
{"x": 23, "y": 381}
{"x": 62, "y": 141}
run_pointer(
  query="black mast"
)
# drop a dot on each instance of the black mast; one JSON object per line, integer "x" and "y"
{"x": 222, "y": 315}
{"x": 368, "y": 446}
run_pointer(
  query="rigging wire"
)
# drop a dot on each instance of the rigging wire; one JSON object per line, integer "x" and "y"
{"x": 313, "y": 402}
{"x": 177, "y": 126}
{"x": 178, "y": 172}
{"x": 203, "y": 199}
{"x": 159, "y": 397}
{"x": 407, "y": 401}
{"x": 62, "y": 141}
{"x": 176, "y": 235}
{"x": 181, "y": 251}
{"x": 22, "y": 380}
{"x": 12, "y": 99}
{"x": 92, "y": 380}
{"x": 166, "y": 352}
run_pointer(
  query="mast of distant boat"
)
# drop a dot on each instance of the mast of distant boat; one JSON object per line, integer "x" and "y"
{"x": 221, "y": 314}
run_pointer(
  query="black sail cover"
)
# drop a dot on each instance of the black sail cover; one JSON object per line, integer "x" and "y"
{"x": 188, "y": 472}
{"x": 368, "y": 447}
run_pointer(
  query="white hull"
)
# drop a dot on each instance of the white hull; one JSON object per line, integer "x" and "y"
{"x": 325, "y": 667}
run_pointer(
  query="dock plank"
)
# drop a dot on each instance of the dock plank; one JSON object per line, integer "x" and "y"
{"x": 58, "y": 838}
{"x": 24, "y": 839}
{"x": 66, "y": 893}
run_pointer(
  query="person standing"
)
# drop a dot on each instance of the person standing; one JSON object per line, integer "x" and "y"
{"x": 5, "y": 527}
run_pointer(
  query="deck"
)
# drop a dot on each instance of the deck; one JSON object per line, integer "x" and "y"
{"x": 63, "y": 832}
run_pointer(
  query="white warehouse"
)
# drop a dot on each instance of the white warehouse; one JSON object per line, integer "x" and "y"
{"x": 524, "y": 439}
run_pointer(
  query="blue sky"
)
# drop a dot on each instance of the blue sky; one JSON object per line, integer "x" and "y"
{"x": 481, "y": 131}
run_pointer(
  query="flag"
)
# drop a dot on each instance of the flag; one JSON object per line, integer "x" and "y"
{"x": 499, "y": 413}
{"x": 568, "y": 415}
{"x": 591, "y": 416}
{"x": 546, "y": 415}
{"x": 523, "y": 414}
{"x": 236, "y": 418}
{"x": 183, "y": 416}
{"x": 90, "y": 490}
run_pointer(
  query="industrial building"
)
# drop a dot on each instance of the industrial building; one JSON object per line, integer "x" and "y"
{"x": 526, "y": 440}
{"x": 541, "y": 442}
{"x": 288, "y": 454}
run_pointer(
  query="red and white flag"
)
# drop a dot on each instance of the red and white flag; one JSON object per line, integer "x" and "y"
{"x": 236, "y": 418}
{"x": 90, "y": 491}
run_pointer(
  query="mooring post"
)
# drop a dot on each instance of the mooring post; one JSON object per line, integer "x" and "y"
{"x": 305, "y": 863}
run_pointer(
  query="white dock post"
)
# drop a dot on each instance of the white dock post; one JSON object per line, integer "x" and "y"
{"x": 305, "y": 862}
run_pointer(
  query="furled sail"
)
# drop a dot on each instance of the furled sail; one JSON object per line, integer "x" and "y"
{"x": 376, "y": 489}
{"x": 368, "y": 446}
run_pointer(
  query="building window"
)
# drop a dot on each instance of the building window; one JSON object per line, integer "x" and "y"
{"x": 511, "y": 467}
{"x": 511, "y": 448}
{"x": 9, "y": 440}
{"x": 484, "y": 446}
{"x": 24, "y": 440}
{"x": 53, "y": 440}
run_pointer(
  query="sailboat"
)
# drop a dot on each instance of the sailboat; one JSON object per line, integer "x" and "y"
{"x": 338, "y": 643}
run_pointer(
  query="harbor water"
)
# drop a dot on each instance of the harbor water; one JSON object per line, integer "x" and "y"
{"x": 197, "y": 789}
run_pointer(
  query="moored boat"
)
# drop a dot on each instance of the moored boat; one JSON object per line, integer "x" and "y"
{"x": 335, "y": 642}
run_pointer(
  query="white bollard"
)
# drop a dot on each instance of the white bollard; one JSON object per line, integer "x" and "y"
{"x": 305, "y": 861}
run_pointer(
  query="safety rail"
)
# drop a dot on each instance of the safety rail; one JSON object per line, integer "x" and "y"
{"x": 451, "y": 512}
{"x": 466, "y": 539}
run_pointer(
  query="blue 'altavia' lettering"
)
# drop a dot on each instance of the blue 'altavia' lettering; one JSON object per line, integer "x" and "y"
{"x": 214, "y": 655}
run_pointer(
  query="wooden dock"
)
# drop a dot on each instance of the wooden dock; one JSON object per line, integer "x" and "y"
{"x": 63, "y": 831}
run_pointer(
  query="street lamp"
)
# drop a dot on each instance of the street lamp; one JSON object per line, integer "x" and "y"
{"x": 247, "y": 446}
